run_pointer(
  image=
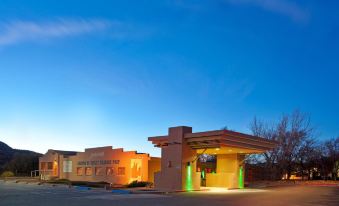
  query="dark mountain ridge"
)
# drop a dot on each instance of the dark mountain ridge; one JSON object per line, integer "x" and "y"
{"x": 17, "y": 161}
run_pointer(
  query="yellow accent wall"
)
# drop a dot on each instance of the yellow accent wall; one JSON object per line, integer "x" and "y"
{"x": 227, "y": 171}
{"x": 154, "y": 165}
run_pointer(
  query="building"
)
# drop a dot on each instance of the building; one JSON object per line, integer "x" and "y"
{"x": 102, "y": 164}
{"x": 181, "y": 150}
{"x": 188, "y": 161}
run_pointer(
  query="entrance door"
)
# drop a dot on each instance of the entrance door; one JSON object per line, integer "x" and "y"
{"x": 206, "y": 164}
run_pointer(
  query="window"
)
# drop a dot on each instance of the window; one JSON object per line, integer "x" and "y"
{"x": 88, "y": 171}
{"x": 80, "y": 171}
{"x": 121, "y": 170}
{"x": 109, "y": 171}
{"x": 67, "y": 166}
{"x": 43, "y": 166}
{"x": 49, "y": 165}
{"x": 99, "y": 171}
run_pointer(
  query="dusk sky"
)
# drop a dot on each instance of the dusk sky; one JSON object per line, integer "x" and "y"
{"x": 79, "y": 74}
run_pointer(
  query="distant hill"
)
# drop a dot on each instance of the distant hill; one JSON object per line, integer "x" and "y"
{"x": 6, "y": 153}
{"x": 21, "y": 162}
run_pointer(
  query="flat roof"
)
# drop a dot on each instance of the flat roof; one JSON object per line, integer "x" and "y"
{"x": 63, "y": 152}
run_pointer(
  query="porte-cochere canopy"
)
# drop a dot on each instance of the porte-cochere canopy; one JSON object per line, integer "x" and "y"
{"x": 220, "y": 142}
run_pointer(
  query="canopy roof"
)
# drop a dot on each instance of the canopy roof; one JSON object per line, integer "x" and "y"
{"x": 220, "y": 141}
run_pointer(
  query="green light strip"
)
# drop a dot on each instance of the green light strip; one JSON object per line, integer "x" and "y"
{"x": 188, "y": 178}
{"x": 241, "y": 178}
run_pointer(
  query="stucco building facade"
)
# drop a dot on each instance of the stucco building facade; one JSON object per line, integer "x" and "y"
{"x": 181, "y": 149}
{"x": 179, "y": 168}
{"x": 102, "y": 164}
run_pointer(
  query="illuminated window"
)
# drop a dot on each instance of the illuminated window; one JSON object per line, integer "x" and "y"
{"x": 99, "y": 171}
{"x": 121, "y": 170}
{"x": 88, "y": 171}
{"x": 80, "y": 171}
{"x": 109, "y": 171}
{"x": 49, "y": 165}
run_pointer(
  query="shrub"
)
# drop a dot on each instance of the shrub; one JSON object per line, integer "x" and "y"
{"x": 90, "y": 184}
{"x": 59, "y": 181}
{"x": 7, "y": 174}
{"x": 138, "y": 184}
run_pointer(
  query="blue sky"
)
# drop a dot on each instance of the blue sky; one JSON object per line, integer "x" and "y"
{"x": 78, "y": 74}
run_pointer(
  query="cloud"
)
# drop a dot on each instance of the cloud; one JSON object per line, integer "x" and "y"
{"x": 284, "y": 7}
{"x": 13, "y": 32}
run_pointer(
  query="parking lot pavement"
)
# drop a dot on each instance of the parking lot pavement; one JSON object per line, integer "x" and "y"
{"x": 35, "y": 195}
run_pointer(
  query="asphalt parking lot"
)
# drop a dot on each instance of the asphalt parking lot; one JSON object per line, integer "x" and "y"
{"x": 34, "y": 195}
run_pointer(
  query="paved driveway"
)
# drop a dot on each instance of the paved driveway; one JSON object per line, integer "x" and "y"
{"x": 35, "y": 195}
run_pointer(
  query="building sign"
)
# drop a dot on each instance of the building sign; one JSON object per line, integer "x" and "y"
{"x": 98, "y": 162}
{"x": 67, "y": 166}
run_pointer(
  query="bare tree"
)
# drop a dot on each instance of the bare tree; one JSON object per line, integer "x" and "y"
{"x": 331, "y": 157}
{"x": 294, "y": 135}
{"x": 308, "y": 158}
{"x": 269, "y": 158}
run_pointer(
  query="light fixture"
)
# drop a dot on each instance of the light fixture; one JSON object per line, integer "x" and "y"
{"x": 241, "y": 178}
{"x": 188, "y": 177}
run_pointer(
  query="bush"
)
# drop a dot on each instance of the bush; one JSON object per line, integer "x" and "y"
{"x": 90, "y": 184}
{"x": 79, "y": 183}
{"x": 59, "y": 181}
{"x": 7, "y": 174}
{"x": 138, "y": 184}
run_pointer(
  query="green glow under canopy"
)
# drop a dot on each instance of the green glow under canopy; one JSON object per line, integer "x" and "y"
{"x": 188, "y": 177}
{"x": 241, "y": 178}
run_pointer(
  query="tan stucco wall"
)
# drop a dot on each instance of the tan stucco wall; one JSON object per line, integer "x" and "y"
{"x": 189, "y": 155}
{"x": 170, "y": 175}
{"x": 227, "y": 173}
{"x": 174, "y": 159}
{"x": 53, "y": 158}
{"x": 154, "y": 165}
{"x": 136, "y": 165}
{"x": 173, "y": 175}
